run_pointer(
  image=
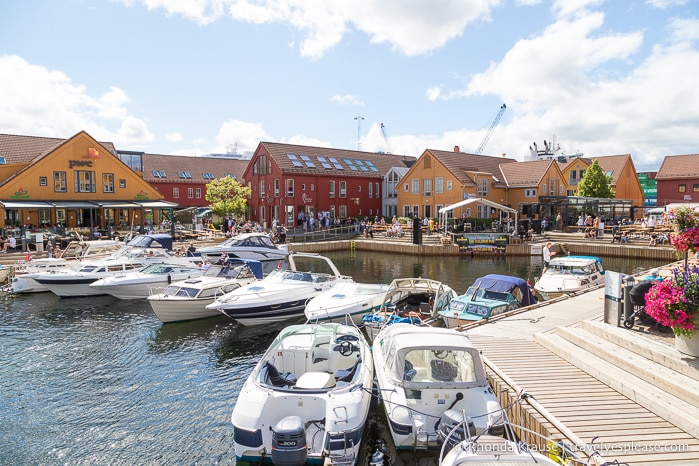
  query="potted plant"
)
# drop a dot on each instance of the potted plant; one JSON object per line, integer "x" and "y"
{"x": 673, "y": 302}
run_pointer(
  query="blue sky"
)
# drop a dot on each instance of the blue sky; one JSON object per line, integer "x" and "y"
{"x": 194, "y": 77}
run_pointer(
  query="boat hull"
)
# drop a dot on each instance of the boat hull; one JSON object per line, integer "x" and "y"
{"x": 175, "y": 309}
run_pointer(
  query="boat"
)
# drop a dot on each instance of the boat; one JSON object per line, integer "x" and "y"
{"x": 142, "y": 250}
{"x": 489, "y": 296}
{"x": 252, "y": 246}
{"x": 569, "y": 274}
{"x": 307, "y": 399}
{"x": 423, "y": 372}
{"x": 282, "y": 294}
{"x": 348, "y": 300}
{"x": 141, "y": 283}
{"x": 187, "y": 299}
{"x": 463, "y": 447}
{"x": 4, "y": 273}
{"x": 410, "y": 300}
{"x": 25, "y": 270}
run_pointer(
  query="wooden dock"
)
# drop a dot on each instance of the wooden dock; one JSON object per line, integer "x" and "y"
{"x": 627, "y": 394}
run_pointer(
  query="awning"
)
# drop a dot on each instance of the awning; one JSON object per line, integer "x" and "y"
{"x": 474, "y": 200}
{"x": 26, "y": 205}
{"x": 75, "y": 205}
{"x": 157, "y": 204}
{"x": 119, "y": 205}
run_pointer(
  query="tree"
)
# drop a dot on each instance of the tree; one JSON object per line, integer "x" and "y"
{"x": 227, "y": 196}
{"x": 595, "y": 183}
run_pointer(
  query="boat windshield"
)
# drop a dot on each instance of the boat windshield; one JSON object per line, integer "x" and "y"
{"x": 181, "y": 291}
{"x": 438, "y": 365}
{"x": 574, "y": 269}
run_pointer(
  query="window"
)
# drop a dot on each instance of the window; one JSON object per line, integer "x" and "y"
{"x": 197, "y": 193}
{"x": 108, "y": 182}
{"x": 449, "y": 185}
{"x": 482, "y": 187}
{"x": 331, "y": 188}
{"x": 84, "y": 181}
{"x": 376, "y": 185}
{"x": 276, "y": 187}
{"x": 175, "y": 193}
{"x": 343, "y": 189}
{"x": 439, "y": 184}
{"x": 303, "y": 186}
{"x": 290, "y": 188}
{"x": 122, "y": 183}
{"x": 416, "y": 186}
{"x": 371, "y": 194}
{"x": 530, "y": 193}
{"x": 343, "y": 211}
{"x": 573, "y": 175}
{"x": 43, "y": 181}
{"x": 682, "y": 188}
{"x": 427, "y": 187}
{"x": 59, "y": 182}
{"x": 190, "y": 193}
{"x": 262, "y": 188}
{"x": 405, "y": 188}
{"x": 695, "y": 188}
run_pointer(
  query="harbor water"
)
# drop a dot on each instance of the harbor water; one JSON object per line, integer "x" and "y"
{"x": 98, "y": 381}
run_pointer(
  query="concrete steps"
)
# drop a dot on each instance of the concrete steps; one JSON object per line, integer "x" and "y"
{"x": 649, "y": 372}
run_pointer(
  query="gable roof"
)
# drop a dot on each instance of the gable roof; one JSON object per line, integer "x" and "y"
{"x": 459, "y": 163}
{"x": 173, "y": 165}
{"x": 679, "y": 166}
{"x": 317, "y": 160}
{"x": 26, "y": 149}
{"x": 523, "y": 174}
{"x": 614, "y": 164}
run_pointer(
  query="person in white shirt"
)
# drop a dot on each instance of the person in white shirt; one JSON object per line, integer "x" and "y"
{"x": 547, "y": 256}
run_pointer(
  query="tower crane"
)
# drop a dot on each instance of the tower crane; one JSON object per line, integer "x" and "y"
{"x": 385, "y": 138}
{"x": 495, "y": 122}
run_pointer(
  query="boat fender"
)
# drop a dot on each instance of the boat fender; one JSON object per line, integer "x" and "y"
{"x": 459, "y": 397}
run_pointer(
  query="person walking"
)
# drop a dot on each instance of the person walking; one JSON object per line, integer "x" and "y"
{"x": 547, "y": 253}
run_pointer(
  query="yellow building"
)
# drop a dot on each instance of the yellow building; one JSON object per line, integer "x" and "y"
{"x": 72, "y": 183}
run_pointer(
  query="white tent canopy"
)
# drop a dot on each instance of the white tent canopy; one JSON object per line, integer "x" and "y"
{"x": 474, "y": 200}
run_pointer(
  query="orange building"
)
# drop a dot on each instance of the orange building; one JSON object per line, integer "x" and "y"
{"x": 72, "y": 183}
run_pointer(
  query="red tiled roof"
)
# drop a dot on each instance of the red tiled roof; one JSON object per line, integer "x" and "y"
{"x": 319, "y": 158}
{"x": 529, "y": 173}
{"x": 24, "y": 149}
{"x": 458, "y": 163}
{"x": 679, "y": 166}
{"x": 173, "y": 165}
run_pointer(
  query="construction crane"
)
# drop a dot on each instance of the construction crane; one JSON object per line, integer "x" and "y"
{"x": 495, "y": 122}
{"x": 385, "y": 138}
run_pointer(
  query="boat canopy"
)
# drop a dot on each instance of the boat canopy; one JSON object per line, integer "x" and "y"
{"x": 518, "y": 287}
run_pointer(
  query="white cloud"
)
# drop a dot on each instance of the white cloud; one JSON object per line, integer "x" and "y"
{"x": 37, "y": 101}
{"x": 174, "y": 137}
{"x": 242, "y": 135}
{"x": 347, "y": 100}
{"x": 663, "y": 4}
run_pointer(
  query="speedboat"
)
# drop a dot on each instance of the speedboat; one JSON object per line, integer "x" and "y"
{"x": 139, "y": 284}
{"x": 282, "y": 294}
{"x": 568, "y": 274}
{"x": 349, "y": 300}
{"x": 463, "y": 447}
{"x": 423, "y": 372}
{"x": 187, "y": 299}
{"x": 307, "y": 399}
{"x": 253, "y": 246}
{"x": 409, "y": 300}
{"x": 140, "y": 251}
{"x": 489, "y": 296}
{"x": 25, "y": 270}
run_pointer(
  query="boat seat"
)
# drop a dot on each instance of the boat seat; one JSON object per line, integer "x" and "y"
{"x": 345, "y": 375}
{"x": 443, "y": 370}
{"x": 409, "y": 371}
{"x": 277, "y": 379}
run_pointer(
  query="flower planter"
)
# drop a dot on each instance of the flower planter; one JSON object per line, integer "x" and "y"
{"x": 688, "y": 345}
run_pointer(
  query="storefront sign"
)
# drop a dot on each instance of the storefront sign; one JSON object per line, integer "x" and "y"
{"x": 21, "y": 193}
{"x": 306, "y": 200}
{"x": 482, "y": 242}
{"x": 141, "y": 196}
{"x": 79, "y": 163}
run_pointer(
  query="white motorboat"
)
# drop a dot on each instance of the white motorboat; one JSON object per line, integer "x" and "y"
{"x": 307, "y": 399}
{"x": 4, "y": 273}
{"x": 141, "y": 283}
{"x": 252, "y": 246}
{"x": 25, "y": 270}
{"x": 463, "y": 447}
{"x": 187, "y": 299}
{"x": 282, "y": 294}
{"x": 568, "y": 274}
{"x": 424, "y": 371}
{"x": 410, "y": 300}
{"x": 140, "y": 251}
{"x": 349, "y": 300}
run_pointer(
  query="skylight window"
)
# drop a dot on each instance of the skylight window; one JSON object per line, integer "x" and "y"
{"x": 3, "y": 161}
{"x": 156, "y": 174}
{"x": 162, "y": 174}
{"x": 294, "y": 160}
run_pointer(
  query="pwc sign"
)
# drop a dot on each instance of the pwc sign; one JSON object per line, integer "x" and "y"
{"x": 91, "y": 155}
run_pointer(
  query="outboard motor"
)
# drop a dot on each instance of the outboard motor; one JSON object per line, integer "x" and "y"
{"x": 289, "y": 442}
{"x": 450, "y": 419}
